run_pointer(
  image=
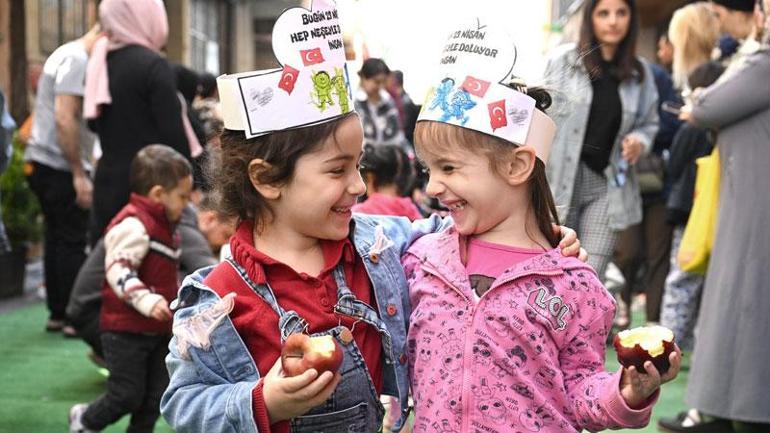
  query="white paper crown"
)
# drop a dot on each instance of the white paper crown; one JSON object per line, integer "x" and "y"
{"x": 469, "y": 94}
{"x": 311, "y": 87}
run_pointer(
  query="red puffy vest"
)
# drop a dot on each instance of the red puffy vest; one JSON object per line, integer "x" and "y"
{"x": 158, "y": 270}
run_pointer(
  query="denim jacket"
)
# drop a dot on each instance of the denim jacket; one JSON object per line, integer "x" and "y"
{"x": 210, "y": 386}
{"x": 572, "y": 104}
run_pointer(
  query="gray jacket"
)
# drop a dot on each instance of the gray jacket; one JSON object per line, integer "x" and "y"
{"x": 566, "y": 74}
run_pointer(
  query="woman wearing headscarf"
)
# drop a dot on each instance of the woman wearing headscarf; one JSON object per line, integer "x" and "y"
{"x": 131, "y": 98}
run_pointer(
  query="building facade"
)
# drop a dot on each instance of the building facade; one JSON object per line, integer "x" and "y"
{"x": 653, "y": 18}
{"x": 216, "y": 36}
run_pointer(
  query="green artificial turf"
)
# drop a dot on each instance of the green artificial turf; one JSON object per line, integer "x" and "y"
{"x": 42, "y": 375}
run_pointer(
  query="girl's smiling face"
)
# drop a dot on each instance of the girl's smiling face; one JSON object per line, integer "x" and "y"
{"x": 317, "y": 200}
{"x": 477, "y": 197}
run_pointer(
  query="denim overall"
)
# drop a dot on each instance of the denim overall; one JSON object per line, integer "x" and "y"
{"x": 354, "y": 407}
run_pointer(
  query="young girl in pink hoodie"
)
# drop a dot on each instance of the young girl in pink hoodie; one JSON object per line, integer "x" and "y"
{"x": 506, "y": 334}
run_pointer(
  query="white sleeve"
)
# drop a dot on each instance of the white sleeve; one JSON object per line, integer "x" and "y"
{"x": 126, "y": 245}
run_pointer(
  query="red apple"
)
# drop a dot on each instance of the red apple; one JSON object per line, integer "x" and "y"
{"x": 301, "y": 352}
{"x": 646, "y": 343}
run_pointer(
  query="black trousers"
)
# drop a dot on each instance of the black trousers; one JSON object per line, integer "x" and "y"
{"x": 66, "y": 225}
{"x": 87, "y": 327}
{"x": 137, "y": 380}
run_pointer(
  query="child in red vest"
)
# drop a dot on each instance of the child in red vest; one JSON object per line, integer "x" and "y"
{"x": 142, "y": 256}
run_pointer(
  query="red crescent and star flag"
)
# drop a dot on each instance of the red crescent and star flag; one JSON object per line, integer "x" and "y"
{"x": 312, "y": 56}
{"x": 476, "y": 87}
{"x": 288, "y": 79}
{"x": 497, "y": 116}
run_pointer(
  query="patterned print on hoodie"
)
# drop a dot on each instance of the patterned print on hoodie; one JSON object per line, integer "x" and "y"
{"x": 528, "y": 356}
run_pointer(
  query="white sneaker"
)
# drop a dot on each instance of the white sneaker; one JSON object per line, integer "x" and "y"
{"x": 76, "y": 419}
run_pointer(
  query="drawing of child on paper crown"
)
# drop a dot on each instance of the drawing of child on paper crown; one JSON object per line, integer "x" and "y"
{"x": 460, "y": 104}
{"x": 322, "y": 90}
{"x": 341, "y": 89}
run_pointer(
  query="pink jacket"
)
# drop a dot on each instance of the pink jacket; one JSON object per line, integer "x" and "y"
{"x": 528, "y": 357}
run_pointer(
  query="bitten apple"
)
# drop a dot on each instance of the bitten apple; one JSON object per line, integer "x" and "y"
{"x": 646, "y": 343}
{"x": 301, "y": 352}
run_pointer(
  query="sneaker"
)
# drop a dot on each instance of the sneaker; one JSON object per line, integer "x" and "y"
{"x": 76, "y": 419}
{"x": 69, "y": 331}
{"x": 53, "y": 325}
{"x": 96, "y": 359}
{"x": 693, "y": 421}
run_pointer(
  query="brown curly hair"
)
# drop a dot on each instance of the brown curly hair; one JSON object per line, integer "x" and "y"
{"x": 228, "y": 168}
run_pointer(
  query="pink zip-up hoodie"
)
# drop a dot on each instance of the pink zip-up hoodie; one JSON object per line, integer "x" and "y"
{"x": 528, "y": 356}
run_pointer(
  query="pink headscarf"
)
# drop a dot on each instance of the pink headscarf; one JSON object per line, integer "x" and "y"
{"x": 126, "y": 22}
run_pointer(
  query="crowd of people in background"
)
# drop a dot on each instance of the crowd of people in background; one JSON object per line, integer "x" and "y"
{"x": 622, "y": 172}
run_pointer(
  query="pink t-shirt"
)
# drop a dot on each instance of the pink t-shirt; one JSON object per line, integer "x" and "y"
{"x": 486, "y": 261}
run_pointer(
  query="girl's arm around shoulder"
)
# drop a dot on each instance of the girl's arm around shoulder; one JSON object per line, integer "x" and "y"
{"x": 402, "y": 232}
{"x": 594, "y": 393}
{"x": 411, "y": 264}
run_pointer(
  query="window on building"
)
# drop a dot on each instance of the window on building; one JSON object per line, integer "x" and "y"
{"x": 61, "y": 21}
{"x": 205, "y": 25}
{"x": 263, "y": 43}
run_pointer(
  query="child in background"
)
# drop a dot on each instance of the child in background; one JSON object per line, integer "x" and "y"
{"x": 505, "y": 333}
{"x": 142, "y": 257}
{"x": 301, "y": 261}
{"x": 388, "y": 174}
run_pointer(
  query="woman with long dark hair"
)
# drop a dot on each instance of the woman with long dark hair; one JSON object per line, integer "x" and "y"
{"x": 605, "y": 104}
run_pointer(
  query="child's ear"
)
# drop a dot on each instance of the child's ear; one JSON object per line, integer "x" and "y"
{"x": 520, "y": 165}
{"x": 257, "y": 167}
{"x": 205, "y": 220}
{"x": 155, "y": 193}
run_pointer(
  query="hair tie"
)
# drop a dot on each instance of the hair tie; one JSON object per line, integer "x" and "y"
{"x": 519, "y": 85}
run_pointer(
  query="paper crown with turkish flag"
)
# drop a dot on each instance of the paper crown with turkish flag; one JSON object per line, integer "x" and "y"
{"x": 312, "y": 86}
{"x": 469, "y": 94}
